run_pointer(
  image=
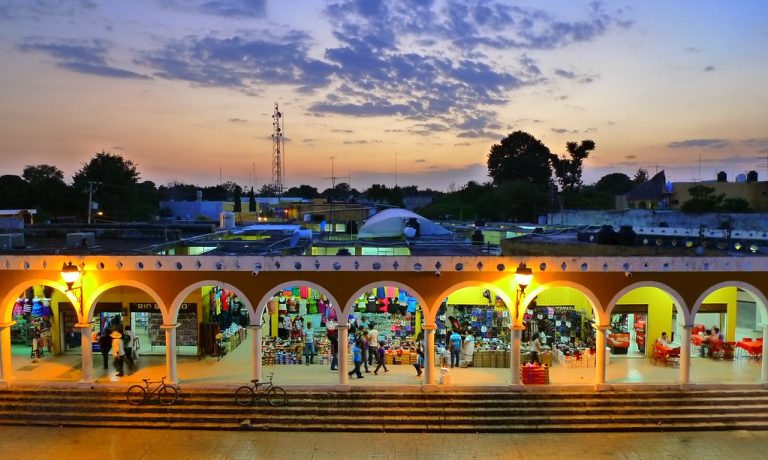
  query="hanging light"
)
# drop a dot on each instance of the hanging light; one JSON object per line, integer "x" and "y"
{"x": 70, "y": 273}
{"x": 523, "y": 276}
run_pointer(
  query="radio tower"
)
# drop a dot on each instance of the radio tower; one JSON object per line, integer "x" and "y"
{"x": 278, "y": 146}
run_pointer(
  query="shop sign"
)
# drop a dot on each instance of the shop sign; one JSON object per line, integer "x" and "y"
{"x": 151, "y": 307}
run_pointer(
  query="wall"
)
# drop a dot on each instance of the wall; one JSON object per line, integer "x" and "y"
{"x": 753, "y": 192}
{"x": 660, "y": 309}
{"x": 642, "y": 218}
{"x": 727, "y": 296}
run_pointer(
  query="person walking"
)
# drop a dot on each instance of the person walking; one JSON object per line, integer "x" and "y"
{"x": 105, "y": 345}
{"x": 128, "y": 339}
{"x": 364, "y": 344}
{"x": 373, "y": 344}
{"x": 333, "y": 339}
{"x": 309, "y": 343}
{"x": 419, "y": 364}
{"x": 118, "y": 351}
{"x": 380, "y": 352}
{"x": 455, "y": 341}
{"x": 357, "y": 356}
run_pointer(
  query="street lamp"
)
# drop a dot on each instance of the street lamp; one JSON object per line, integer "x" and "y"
{"x": 71, "y": 274}
{"x": 523, "y": 277}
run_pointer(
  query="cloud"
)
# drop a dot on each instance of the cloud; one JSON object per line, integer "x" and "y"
{"x": 564, "y": 131}
{"x": 700, "y": 143}
{"x": 238, "y": 120}
{"x": 226, "y": 8}
{"x": 17, "y": 10}
{"x": 420, "y": 160}
{"x": 86, "y": 57}
{"x": 630, "y": 157}
{"x": 565, "y": 74}
{"x": 756, "y": 142}
{"x": 479, "y": 134}
{"x": 118, "y": 147}
{"x": 692, "y": 49}
{"x": 709, "y": 68}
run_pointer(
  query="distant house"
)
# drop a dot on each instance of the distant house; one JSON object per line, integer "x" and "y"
{"x": 652, "y": 194}
{"x": 746, "y": 187}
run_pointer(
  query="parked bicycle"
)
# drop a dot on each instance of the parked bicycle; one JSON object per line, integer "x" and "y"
{"x": 248, "y": 394}
{"x": 164, "y": 393}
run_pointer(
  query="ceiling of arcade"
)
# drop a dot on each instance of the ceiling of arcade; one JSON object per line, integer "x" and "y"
{"x": 169, "y": 280}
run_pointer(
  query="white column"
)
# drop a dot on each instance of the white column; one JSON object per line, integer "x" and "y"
{"x": 6, "y": 367}
{"x": 170, "y": 353}
{"x": 86, "y": 350}
{"x": 514, "y": 360}
{"x": 429, "y": 354}
{"x": 685, "y": 355}
{"x": 764, "y": 367}
{"x": 343, "y": 352}
{"x": 600, "y": 361}
{"x": 257, "y": 352}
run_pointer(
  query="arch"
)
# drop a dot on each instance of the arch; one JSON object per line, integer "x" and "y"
{"x": 508, "y": 300}
{"x": 597, "y": 307}
{"x": 344, "y": 318}
{"x": 262, "y": 305}
{"x": 9, "y": 299}
{"x": 738, "y": 284}
{"x": 680, "y": 305}
{"x": 103, "y": 288}
{"x": 173, "y": 312}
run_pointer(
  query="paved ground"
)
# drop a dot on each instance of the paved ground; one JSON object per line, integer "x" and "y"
{"x": 104, "y": 444}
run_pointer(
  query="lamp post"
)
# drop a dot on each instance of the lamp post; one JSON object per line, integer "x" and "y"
{"x": 72, "y": 274}
{"x": 523, "y": 277}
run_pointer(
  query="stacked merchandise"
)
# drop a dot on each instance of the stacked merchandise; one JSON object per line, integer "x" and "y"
{"x": 233, "y": 336}
{"x": 533, "y": 374}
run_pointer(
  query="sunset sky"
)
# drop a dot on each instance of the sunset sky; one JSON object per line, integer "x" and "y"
{"x": 406, "y": 92}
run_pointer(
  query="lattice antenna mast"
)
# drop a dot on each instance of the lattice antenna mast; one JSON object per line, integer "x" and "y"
{"x": 278, "y": 147}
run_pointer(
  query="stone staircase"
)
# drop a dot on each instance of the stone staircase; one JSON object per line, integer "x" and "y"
{"x": 395, "y": 411}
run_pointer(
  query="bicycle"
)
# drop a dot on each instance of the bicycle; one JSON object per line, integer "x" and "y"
{"x": 164, "y": 393}
{"x": 246, "y": 395}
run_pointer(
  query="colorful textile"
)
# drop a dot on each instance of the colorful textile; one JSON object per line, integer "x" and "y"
{"x": 304, "y": 292}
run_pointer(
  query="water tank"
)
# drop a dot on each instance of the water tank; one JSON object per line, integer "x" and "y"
{"x": 722, "y": 176}
{"x": 752, "y": 176}
{"x": 227, "y": 220}
{"x": 741, "y": 178}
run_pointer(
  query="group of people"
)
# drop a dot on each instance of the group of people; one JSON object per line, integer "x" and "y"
{"x": 711, "y": 337}
{"x": 461, "y": 348}
{"x": 120, "y": 345}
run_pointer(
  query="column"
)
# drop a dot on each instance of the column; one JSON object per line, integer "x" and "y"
{"x": 600, "y": 361}
{"x": 764, "y": 367}
{"x": 6, "y": 369}
{"x": 343, "y": 352}
{"x": 170, "y": 353}
{"x": 257, "y": 352}
{"x": 685, "y": 355}
{"x": 514, "y": 360}
{"x": 86, "y": 349}
{"x": 429, "y": 354}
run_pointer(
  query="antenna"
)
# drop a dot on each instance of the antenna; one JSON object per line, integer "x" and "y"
{"x": 278, "y": 145}
{"x": 395, "y": 169}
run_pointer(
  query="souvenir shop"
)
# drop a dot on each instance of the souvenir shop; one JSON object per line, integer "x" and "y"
{"x": 226, "y": 321}
{"x": 146, "y": 321}
{"x": 483, "y": 321}
{"x": 33, "y": 331}
{"x": 567, "y": 330}
{"x": 288, "y": 313}
{"x": 394, "y": 313}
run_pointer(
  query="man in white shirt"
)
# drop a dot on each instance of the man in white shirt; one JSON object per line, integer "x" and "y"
{"x": 373, "y": 344}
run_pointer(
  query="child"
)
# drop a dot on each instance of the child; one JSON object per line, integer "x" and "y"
{"x": 357, "y": 352}
{"x": 380, "y": 358}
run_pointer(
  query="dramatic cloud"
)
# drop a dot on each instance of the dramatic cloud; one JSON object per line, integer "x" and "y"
{"x": 226, "y": 8}
{"x": 87, "y": 57}
{"x": 700, "y": 143}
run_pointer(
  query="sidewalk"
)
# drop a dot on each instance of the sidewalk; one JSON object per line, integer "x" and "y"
{"x": 130, "y": 444}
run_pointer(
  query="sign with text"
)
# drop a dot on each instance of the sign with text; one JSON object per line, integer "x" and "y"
{"x": 151, "y": 307}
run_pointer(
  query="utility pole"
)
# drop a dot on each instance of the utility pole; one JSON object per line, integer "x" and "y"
{"x": 333, "y": 189}
{"x": 90, "y": 200}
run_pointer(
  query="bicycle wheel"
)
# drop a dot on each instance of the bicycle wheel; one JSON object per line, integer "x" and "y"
{"x": 244, "y": 396}
{"x": 167, "y": 395}
{"x": 276, "y": 396}
{"x": 136, "y": 395}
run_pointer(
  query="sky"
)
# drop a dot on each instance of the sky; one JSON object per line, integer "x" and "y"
{"x": 394, "y": 92}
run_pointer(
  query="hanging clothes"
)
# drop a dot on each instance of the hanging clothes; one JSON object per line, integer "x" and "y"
{"x": 304, "y": 292}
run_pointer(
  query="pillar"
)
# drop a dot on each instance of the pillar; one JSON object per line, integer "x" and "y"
{"x": 600, "y": 350}
{"x": 764, "y": 367}
{"x": 685, "y": 355}
{"x": 343, "y": 352}
{"x": 6, "y": 369}
{"x": 86, "y": 349}
{"x": 170, "y": 353}
{"x": 257, "y": 351}
{"x": 429, "y": 353}
{"x": 514, "y": 360}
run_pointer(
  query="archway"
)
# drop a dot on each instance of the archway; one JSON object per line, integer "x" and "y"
{"x": 727, "y": 334}
{"x": 640, "y": 315}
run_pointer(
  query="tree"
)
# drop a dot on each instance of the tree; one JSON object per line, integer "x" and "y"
{"x": 520, "y": 157}
{"x": 115, "y": 182}
{"x": 41, "y": 173}
{"x": 641, "y": 176}
{"x": 614, "y": 184}
{"x": 734, "y": 205}
{"x": 568, "y": 170}
{"x": 237, "y": 199}
{"x": 251, "y": 201}
{"x": 703, "y": 199}
{"x": 303, "y": 191}
{"x": 48, "y": 193}
{"x": 13, "y": 192}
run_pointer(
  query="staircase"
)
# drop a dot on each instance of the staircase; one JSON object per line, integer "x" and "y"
{"x": 380, "y": 411}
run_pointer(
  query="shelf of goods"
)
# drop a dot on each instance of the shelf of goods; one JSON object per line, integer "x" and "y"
{"x": 534, "y": 374}
{"x": 491, "y": 358}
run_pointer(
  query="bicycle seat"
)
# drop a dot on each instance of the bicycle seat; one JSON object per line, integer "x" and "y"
{"x": 145, "y": 380}
{"x": 255, "y": 381}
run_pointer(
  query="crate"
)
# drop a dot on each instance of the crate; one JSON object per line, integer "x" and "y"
{"x": 534, "y": 375}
